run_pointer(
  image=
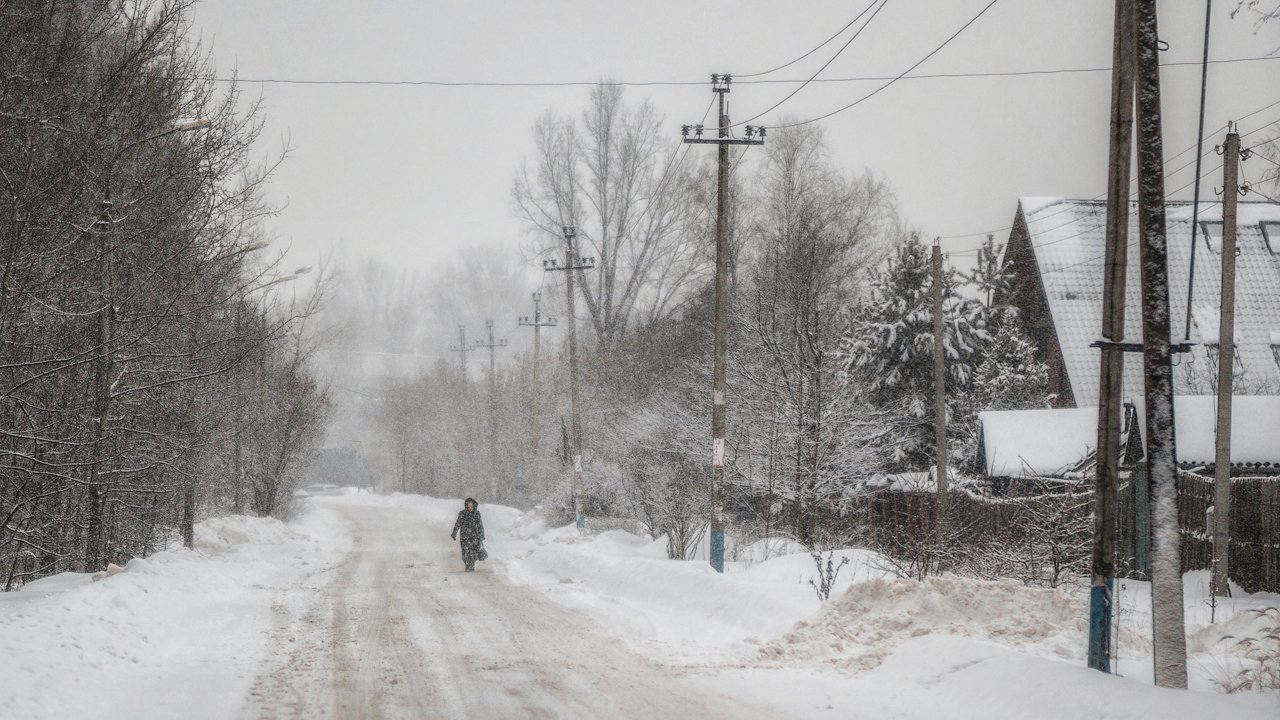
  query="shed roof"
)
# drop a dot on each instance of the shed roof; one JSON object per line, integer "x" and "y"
{"x": 1255, "y": 429}
{"x": 1037, "y": 443}
{"x": 1052, "y": 442}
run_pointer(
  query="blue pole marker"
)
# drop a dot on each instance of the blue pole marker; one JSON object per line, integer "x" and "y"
{"x": 717, "y": 550}
{"x": 1100, "y": 602}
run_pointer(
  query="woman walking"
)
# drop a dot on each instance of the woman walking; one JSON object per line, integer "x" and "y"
{"x": 471, "y": 530}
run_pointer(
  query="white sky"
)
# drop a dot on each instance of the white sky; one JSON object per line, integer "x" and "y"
{"x": 410, "y": 174}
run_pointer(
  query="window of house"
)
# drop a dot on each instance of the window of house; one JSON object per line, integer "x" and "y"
{"x": 1212, "y": 232}
{"x": 1271, "y": 231}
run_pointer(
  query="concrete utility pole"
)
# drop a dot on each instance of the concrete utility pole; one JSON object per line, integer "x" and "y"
{"x": 1168, "y": 624}
{"x": 462, "y": 349}
{"x": 720, "y": 86}
{"x": 1110, "y": 388}
{"x": 1226, "y": 362}
{"x": 940, "y": 391}
{"x": 572, "y": 265}
{"x": 537, "y": 323}
{"x": 493, "y": 407}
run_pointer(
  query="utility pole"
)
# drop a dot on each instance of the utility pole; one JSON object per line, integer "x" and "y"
{"x": 1111, "y": 371}
{"x": 939, "y": 392}
{"x": 1169, "y": 640}
{"x": 720, "y": 86}
{"x": 1220, "y": 586}
{"x": 462, "y": 349}
{"x": 537, "y": 323}
{"x": 493, "y": 406}
{"x": 572, "y": 265}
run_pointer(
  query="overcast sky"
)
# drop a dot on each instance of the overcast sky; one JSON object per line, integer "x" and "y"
{"x": 412, "y": 173}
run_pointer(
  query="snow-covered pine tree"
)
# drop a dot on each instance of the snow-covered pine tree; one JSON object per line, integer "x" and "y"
{"x": 991, "y": 273}
{"x": 1010, "y": 376}
{"x": 889, "y": 347}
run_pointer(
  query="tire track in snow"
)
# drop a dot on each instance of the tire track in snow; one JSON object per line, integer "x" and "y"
{"x": 401, "y": 632}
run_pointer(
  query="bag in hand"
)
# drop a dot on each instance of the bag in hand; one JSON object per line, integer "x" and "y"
{"x": 484, "y": 554}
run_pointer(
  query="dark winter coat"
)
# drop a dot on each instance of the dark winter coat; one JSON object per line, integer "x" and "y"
{"x": 469, "y": 527}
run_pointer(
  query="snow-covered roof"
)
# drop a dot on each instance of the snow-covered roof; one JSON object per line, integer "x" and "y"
{"x": 1037, "y": 443}
{"x": 1051, "y": 443}
{"x": 1255, "y": 429}
{"x": 1068, "y": 239}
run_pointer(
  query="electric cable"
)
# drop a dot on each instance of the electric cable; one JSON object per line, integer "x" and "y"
{"x": 680, "y": 83}
{"x": 1134, "y": 180}
{"x": 917, "y": 64}
{"x": 824, "y": 43}
{"x": 825, "y": 65}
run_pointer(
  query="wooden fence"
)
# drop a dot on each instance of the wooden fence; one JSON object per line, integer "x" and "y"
{"x": 896, "y": 520}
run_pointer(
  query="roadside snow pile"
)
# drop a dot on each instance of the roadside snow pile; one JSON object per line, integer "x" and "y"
{"x": 167, "y": 635}
{"x": 225, "y": 534}
{"x": 667, "y": 609}
{"x": 867, "y": 623}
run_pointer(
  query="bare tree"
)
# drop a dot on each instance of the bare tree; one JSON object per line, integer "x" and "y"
{"x": 619, "y": 176}
{"x": 125, "y": 244}
{"x": 813, "y": 235}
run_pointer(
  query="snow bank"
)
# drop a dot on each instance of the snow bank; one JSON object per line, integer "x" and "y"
{"x": 872, "y": 619}
{"x": 667, "y": 608}
{"x": 178, "y": 634}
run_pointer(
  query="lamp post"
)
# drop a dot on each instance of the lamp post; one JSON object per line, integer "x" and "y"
{"x": 95, "y": 538}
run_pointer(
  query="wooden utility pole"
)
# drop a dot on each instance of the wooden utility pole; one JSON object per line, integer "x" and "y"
{"x": 1110, "y": 386}
{"x": 1220, "y": 587}
{"x": 1168, "y": 625}
{"x": 719, "y": 406}
{"x": 462, "y": 349}
{"x": 493, "y": 407}
{"x": 940, "y": 391}
{"x": 572, "y": 265}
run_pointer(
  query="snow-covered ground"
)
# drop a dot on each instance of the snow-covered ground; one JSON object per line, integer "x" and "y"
{"x": 216, "y": 633}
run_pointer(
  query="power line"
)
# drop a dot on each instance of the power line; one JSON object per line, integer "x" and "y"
{"x": 814, "y": 50}
{"x": 678, "y": 83}
{"x": 917, "y": 64}
{"x": 824, "y": 66}
{"x": 677, "y": 157}
{"x": 1169, "y": 174}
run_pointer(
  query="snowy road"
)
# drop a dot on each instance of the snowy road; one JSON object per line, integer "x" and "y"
{"x": 401, "y": 632}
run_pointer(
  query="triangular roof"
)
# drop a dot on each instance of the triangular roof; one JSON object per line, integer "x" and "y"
{"x": 1067, "y": 239}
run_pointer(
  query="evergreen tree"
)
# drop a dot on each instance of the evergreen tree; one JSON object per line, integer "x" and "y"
{"x": 991, "y": 273}
{"x": 1010, "y": 376}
